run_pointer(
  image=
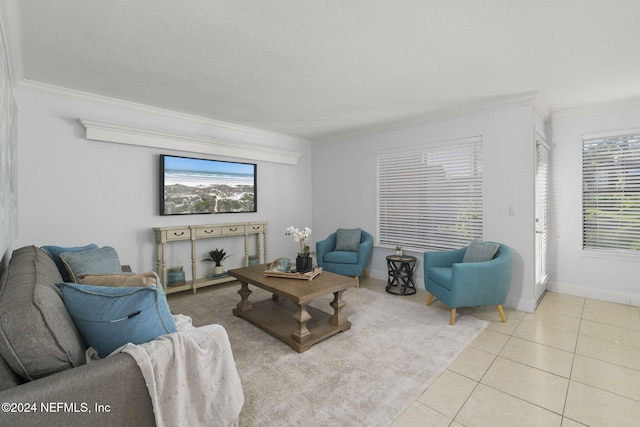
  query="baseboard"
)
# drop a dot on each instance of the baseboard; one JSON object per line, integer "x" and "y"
{"x": 521, "y": 305}
{"x": 382, "y": 275}
{"x": 599, "y": 294}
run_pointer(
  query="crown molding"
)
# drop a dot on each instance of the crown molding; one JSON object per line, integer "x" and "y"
{"x": 541, "y": 106}
{"x": 596, "y": 110}
{"x": 533, "y": 98}
{"x": 132, "y": 135}
{"x": 234, "y": 131}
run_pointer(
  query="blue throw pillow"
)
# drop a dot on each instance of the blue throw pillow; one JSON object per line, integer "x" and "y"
{"x": 93, "y": 261}
{"x": 478, "y": 251}
{"x": 109, "y": 317}
{"x": 348, "y": 239}
{"x": 56, "y": 251}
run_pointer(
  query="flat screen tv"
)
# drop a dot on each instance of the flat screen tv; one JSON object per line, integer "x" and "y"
{"x": 200, "y": 186}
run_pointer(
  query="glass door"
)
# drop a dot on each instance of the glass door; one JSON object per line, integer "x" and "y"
{"x": 542, "y": 216}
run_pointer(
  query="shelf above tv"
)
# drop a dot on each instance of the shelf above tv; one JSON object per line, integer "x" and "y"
{"x": 132, "y": 135}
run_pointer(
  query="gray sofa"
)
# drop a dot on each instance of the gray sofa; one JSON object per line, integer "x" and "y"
{"x": 43, "y": 376}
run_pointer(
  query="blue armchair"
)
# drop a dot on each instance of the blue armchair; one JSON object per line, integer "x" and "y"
{"x": 468, "y": 284}
{"x": 341, "y": 254}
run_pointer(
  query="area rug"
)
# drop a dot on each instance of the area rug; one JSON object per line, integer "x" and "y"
{"x": 366, "y": 376}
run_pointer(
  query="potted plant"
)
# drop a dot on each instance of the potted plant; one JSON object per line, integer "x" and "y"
{"x": 217, "y": 256}
{"x": 399, "y": 250}
{"x": 304, "y": 262}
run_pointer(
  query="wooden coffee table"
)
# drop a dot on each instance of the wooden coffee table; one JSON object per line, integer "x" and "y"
{"x": 287, "y": 314}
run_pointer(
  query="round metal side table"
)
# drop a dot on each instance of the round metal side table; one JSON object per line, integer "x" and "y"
{"x": 400, "y": 281}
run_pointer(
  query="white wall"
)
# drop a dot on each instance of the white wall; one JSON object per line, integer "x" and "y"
{"x": 344, "y": 185}
{"x": 612, "y": 278}
{"x": 73, "y": 191}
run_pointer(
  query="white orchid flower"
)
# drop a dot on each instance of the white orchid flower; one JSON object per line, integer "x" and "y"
{"x": 299, "y": 236}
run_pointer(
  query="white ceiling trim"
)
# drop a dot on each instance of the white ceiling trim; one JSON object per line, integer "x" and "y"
{"x": 596, "y": 110}
{"x": 132, "y": 135}
{"x": 533, "y": 98}
{"x": 237, "y": 132}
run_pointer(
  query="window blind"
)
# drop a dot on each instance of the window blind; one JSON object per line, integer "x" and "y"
{"x": 611, "y": 192}
{"x": 430, "y": 197}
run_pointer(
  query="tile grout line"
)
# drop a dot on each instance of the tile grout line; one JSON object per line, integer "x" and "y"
{"x": 585, "y": 310}
{"x": 502, "y": 391}
{"x": 533, "y": 367}
{"x": 495, "y": 356}
{"x": 573, "y": 359}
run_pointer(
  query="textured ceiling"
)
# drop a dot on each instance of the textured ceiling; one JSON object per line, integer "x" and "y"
{"x": 315, "y": 69}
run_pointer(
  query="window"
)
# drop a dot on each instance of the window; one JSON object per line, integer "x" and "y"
{"x": 611, "y": 192}
{"x": 430, "y": 197}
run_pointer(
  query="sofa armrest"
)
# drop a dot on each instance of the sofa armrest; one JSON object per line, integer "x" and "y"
{"x": 324, "y": 246}
{"x": 443, "y": 258}
{"x": 481, "y": 283}
{"x": 364, "y": 251}
{"x": 109, "y": 392}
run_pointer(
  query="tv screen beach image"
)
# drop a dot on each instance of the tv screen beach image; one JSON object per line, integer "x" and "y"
{"x": 200, "y": 186}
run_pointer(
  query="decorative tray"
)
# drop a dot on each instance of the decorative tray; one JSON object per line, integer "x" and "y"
{"x": 293, "y": 275}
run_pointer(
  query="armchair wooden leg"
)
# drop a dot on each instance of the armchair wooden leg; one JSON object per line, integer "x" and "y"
{"x": 452, "y": 321}
{"x": 357, "y": 282}
{"x": 502, "y": 316}
{"x": 366, "y": 275}
{"x": 429, "y": 299}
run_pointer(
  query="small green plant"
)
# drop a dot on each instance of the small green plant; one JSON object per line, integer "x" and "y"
{"x": 398, "y": 248}
{"x": 217, "y": 256}
{"x": 306, "y": 252}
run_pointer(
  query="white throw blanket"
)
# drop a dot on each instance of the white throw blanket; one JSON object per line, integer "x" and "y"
{"x": 191, "y": 376}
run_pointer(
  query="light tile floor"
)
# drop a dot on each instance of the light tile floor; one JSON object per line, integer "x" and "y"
{"x": 574, "y": 362}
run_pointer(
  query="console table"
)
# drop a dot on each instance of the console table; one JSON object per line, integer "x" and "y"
{"x": 165, "y": 235}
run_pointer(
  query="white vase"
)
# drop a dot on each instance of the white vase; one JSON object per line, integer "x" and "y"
{"x": 218, "y": 269}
